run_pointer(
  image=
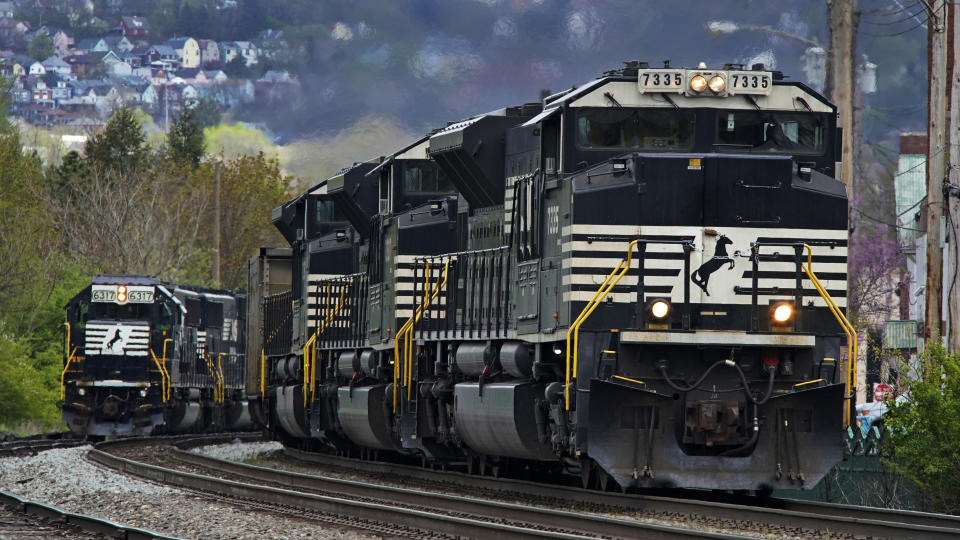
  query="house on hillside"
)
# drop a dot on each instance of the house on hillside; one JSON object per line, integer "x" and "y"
{"x": 232, "y": 49}
{"x": 11, "y": 68}
{"x": 13, "y": 32}
{"x": 270, "y": 43}
{"x": 134, "y": 28}
{"x": 215, "y": 76}
{"x": 118, "y": 44}
{"x": 209, "y": 53}
{"x": 166, "y": 55}
{"x": 187, "y": 50}
{"x": 62, "y": 40}
{"x": 59, "y": 89}
{"x": 56, "y": 64}
{"x": 36, "y": 68}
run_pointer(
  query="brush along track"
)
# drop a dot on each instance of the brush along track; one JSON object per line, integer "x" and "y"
{"x": 789, "y": 514}
{"x": 393, "y": 510}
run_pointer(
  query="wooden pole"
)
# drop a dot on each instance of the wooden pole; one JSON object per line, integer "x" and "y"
{"x": 952, "y": 282}
{"x": 216, "y": 222}
{"x": 936, "y": 169}
{"x": 840, "y": 81}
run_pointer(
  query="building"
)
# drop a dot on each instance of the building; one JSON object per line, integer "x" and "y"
{"x": 134, "y": 28}
{"x": 232, "y": 49}
{"x": 187, "y": 50}
{"x": 209, "y": 53}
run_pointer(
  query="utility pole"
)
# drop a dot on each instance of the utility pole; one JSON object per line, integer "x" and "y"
{"x": 841, "y": 77}
{"x": 216, "y": 222}
{"x": 936, "y": 167}
{"x": 953, "y": 193}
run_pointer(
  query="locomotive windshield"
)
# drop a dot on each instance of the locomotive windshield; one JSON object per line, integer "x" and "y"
{"x": 635, "y": 129}
{"x": 127, "y": 312}
{"x": 422, "y": 176}
{"x": 772, "y": 132}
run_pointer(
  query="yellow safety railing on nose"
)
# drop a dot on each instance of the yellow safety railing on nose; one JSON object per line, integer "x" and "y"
{"x": 70, "y": 357}
{"x": 309, "y": 352}
{"x": 847, "y": 329}
{"x": 608, "y": 284}
{"x": 406, "y": 331}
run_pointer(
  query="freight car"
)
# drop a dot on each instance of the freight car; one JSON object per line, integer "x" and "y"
{"x": 640, "y": 280}
{"x": 143, "y": 356}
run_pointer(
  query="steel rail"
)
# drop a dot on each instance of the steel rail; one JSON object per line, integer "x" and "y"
{"x": 52, "y": 514}
{"x": 521, "y": 521}
{"x": 582, "y": 523}
{"x": 85, "y": 523}
{"x": 38, "y": 443}
{"x": 877, "y": 522}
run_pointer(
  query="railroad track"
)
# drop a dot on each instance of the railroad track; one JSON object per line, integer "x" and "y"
{"x": 38, "y": 443}
{"x": 401, "y": 511}
{"x": 21, "y": 518}
{"x": 788, "y": 513}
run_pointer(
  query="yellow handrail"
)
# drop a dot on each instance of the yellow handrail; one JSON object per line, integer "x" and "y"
{"x": 401, "y": 334}
{"x": 263, "y": 373}
{"x": 163, "y": 377}
{"x": 608, "y": 284}
{"x": 408, "y": 351}
{"x": 165, "y": 371}
{"x": 208, "y": 359}
{"x": 66, "y": 366}
{"x": 406, "y": 332}
{"x": 309, "y": 360}
{"x": 847, "y": 329}
{"x": 223, "y": 384}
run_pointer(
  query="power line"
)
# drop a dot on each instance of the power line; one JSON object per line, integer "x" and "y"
{"x": 888, "y": 224}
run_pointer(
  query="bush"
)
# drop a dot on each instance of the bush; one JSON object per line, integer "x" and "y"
{"x": 925, "y": 429}
{"x": 29, "y": 384}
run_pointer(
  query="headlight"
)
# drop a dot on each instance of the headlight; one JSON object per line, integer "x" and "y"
{"x": 143, "y": 393}
{"x": 698, "y": 84}
{"x": 782, "y": 313}
{"x": 660, "y": 309}
{"x": 717, "y": 83}
{"x": 81, "y": 392}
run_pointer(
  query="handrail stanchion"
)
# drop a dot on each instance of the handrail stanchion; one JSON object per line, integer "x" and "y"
{"x": 608, "y": 284}
{"x": 848, "y": 329}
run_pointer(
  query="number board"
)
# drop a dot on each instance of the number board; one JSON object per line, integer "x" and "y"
{"x": 134, "y": 294}
{"x": 749, "y": 82}
{"x": 659, "y": 80}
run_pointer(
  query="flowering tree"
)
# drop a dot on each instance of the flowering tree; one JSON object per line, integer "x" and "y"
{"x": 874, "y": 258}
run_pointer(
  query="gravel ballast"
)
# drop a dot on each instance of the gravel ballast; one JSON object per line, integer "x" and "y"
{"x": 65, "y": 479}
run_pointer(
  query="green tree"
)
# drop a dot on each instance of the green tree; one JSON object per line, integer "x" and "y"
{"x": 122, "y": 145}
{"x": 207, "y": 112}
{"x": 40, "y": 47}
{"x": 250, "y": 188}
{"x": 185, "y": 139}
{"x": 924, "y": 429}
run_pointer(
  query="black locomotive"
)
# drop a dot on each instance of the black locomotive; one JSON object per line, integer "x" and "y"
{"x": 144, "y": 356}
{"x": 640, "y": 280}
